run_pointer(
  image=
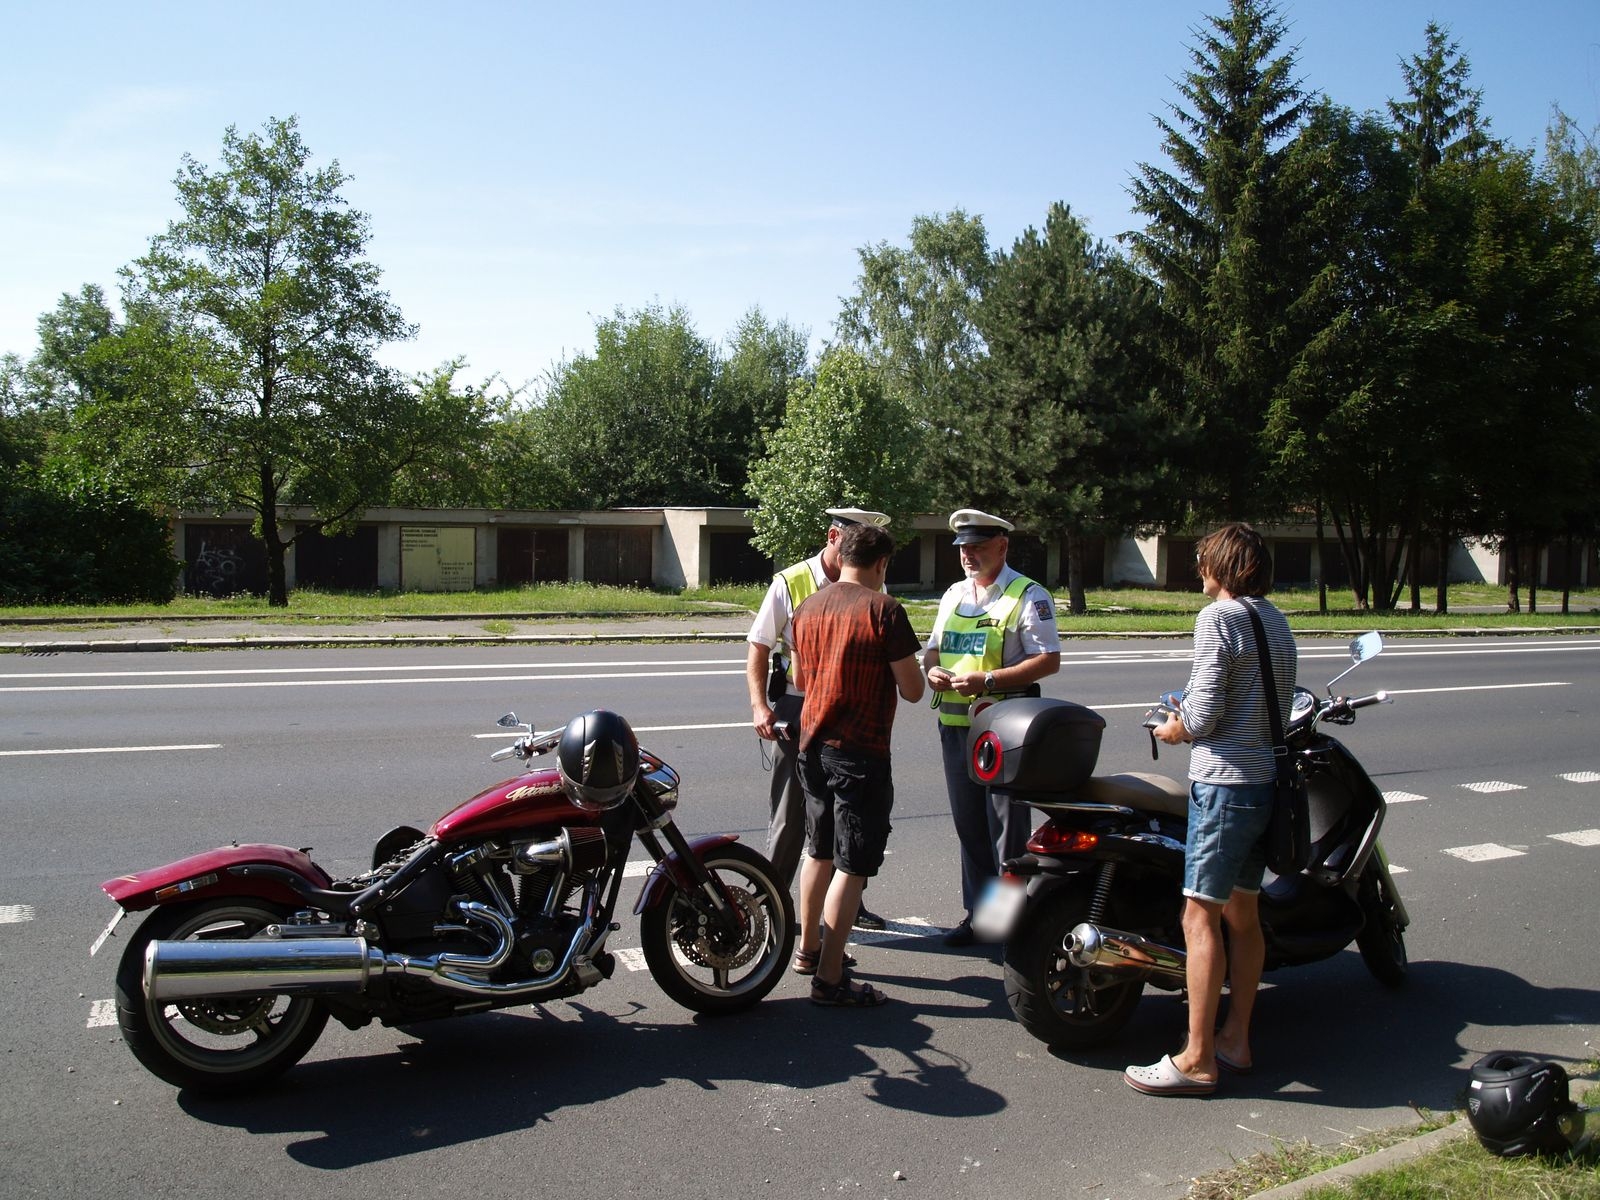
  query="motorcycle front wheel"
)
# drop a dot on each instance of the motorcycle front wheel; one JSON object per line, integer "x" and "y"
{"x": 705, "y": 970}
{"x": 1064, "y": 1006}
{"x": 212, "y": 1044}
{"x": 1381, "y": 941}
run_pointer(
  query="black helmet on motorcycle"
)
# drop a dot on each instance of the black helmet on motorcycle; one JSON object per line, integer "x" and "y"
{"x": 1518, "y": 1104}
{"x": 598, "y": 759}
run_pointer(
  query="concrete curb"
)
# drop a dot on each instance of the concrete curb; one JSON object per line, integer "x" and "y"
{"x": 257, "y": 642}
{"x": 1390, "y": 1156}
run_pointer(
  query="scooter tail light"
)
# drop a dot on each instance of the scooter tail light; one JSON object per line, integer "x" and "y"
{"x": 1052, "y": 839}
{"x": 988, "y": 756}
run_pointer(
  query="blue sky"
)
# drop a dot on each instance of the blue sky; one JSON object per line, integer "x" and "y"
{"x": 529, "y": 168}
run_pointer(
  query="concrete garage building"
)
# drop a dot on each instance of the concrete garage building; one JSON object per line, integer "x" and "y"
{"x": 416, "y": 549}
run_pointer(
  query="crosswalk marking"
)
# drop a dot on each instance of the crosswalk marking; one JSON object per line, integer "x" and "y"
{"x": 1401, "y": 797}
{"x": 1581, "y": 777}
{"x": 15, "y": 914}
{"x": 1490, "y": 786}
{"x": 102, "y": 1012}
{"x": 1484, "y": 852}
{"x": 1579, "y": 837}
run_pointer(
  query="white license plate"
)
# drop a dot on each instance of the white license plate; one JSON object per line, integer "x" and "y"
{"x": 106, "y": 932}
{"x": 998, "y": 909}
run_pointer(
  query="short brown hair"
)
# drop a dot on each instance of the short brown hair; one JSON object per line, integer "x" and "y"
{"x": 863, "y": 545}
{"x": 1236, "y": 556}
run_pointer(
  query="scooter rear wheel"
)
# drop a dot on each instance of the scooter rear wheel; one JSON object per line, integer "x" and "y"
{"x": 1064, "y": 1006}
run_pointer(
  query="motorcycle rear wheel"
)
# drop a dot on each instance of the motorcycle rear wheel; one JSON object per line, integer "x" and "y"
{"x": 223, "y": 1044}
{"x": 1381, "y": 941}
{"x": 702, "y": 972}
{"x": 1065, "y": 1007}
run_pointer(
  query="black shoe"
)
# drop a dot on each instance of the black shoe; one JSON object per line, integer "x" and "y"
{"x": 962, "y": 934}
{"x": 867, "y": 919}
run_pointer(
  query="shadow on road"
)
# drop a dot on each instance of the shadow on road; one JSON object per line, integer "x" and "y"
{"x": 468, "y": 1079}
{"x": 1330, "y": 1035}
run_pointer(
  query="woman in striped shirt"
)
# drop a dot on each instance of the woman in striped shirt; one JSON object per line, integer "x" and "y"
{"x": 1232, "y": 778}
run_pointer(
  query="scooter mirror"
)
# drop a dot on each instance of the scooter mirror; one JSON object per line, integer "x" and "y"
{"x": 1368, "y": 645}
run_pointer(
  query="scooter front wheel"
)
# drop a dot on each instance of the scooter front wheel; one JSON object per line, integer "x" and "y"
{"x": 215, "y": 1044}
{"x": 1381, "y": 941}
{"x": 1065, "y": 1006}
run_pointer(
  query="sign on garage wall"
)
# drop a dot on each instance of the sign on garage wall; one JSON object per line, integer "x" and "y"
{"x": 437, "y": 558}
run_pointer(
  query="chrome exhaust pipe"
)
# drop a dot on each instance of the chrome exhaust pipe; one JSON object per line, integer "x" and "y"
{"x": 294, "y": 966}
{"x": 185, "y": 970}
{"x": 1088, "y": 945}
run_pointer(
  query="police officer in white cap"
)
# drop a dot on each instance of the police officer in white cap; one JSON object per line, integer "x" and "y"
{"x": 774, "y": 701}
{"x": 995, "y": 637}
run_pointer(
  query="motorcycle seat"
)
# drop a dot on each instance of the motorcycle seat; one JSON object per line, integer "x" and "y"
{"x": 1141, "y": 791}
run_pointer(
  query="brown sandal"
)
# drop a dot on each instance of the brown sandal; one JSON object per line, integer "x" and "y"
{"x": 805, "y": 961}
{"x": 847, "y": 993}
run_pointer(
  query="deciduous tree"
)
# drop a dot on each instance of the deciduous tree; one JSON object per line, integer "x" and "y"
{"x": 253, "y": 326}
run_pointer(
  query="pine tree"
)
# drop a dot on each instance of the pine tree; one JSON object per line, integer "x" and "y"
{"x": 1215, "y": 241}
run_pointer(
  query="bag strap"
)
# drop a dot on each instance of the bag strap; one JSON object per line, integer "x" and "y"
{"x": 1279, "y": 749}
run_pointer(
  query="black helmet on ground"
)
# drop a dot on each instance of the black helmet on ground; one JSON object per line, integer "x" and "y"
{"x": 1518, "y": 1104}
{"x": 598, "y": 759}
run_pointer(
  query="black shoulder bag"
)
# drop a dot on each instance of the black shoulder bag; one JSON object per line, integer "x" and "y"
{"x": 1287, "y": 841}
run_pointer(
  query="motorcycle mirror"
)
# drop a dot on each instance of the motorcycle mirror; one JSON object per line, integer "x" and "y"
{"x": 1368, "y": 645}
{"x": 509, "y": 721}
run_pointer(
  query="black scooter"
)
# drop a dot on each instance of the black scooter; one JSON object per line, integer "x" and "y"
{"x": 1090, "y": 914}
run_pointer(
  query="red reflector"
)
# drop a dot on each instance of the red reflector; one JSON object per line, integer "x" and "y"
{"x": 987, "y": 756}
{"x": 1051, "y": 839}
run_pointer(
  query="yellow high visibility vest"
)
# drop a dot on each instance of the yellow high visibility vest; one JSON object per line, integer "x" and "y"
{"x": 801, "y": 583}
{"x": 975, "y": 644}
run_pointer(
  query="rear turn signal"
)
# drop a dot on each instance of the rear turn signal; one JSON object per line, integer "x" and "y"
{"x": 1049, "y": 839}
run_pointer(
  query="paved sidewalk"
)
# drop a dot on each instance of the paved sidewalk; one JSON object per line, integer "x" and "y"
{"x": 224, "y": 633}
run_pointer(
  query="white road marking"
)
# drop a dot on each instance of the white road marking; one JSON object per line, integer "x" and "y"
{"x": 15, "y": 914}
{"x": 486, "y": 737}
{"x": 1580, "y": 837}
{"x": 1486, "y": 852}
{"x": 637, "y": 867}
{"x": 1394, "y": 870}
{"x": 632, "y": 958}
{"x": 368, "y": 670}
{"x": 1401, "y": 797}
{"x": 1490, "y": 786}
{"x": 280, "y": 683}
{"x": 1477, "y": 687}
{"x": 102, "y": 1012}
{"x": 1582, "y": 777}
{"x": 112, "y": 749}
{"x": 915, "y": 927}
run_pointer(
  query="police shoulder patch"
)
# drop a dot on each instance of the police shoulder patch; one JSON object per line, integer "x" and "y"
{"x": 1042, "y": 607}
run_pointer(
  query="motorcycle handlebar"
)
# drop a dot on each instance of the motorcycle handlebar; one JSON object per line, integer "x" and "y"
{"x": 528, "y": 747}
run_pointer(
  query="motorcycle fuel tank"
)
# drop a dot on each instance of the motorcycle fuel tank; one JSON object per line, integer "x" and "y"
{"x": 536, "y": 798}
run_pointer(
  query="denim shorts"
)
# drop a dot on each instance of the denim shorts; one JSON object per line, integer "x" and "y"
{"x": 1224, "y": 852}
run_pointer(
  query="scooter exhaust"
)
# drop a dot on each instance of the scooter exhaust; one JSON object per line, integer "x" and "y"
{"x": 1088, "y": 945}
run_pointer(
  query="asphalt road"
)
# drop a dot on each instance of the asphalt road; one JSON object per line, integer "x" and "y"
{"x": 113, "y": 762}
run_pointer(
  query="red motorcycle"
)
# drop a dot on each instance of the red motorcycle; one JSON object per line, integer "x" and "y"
{"x": 506, "y": 900}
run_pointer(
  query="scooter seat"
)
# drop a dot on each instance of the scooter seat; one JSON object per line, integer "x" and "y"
{"x": 1137, "y": 790}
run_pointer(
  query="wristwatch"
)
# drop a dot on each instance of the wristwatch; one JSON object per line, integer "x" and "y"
{"x": 988, "y": 681}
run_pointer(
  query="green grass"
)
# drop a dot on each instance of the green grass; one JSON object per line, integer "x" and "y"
{"x": 1120, "y": 610}
{"x": 1459, "y": 1170}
